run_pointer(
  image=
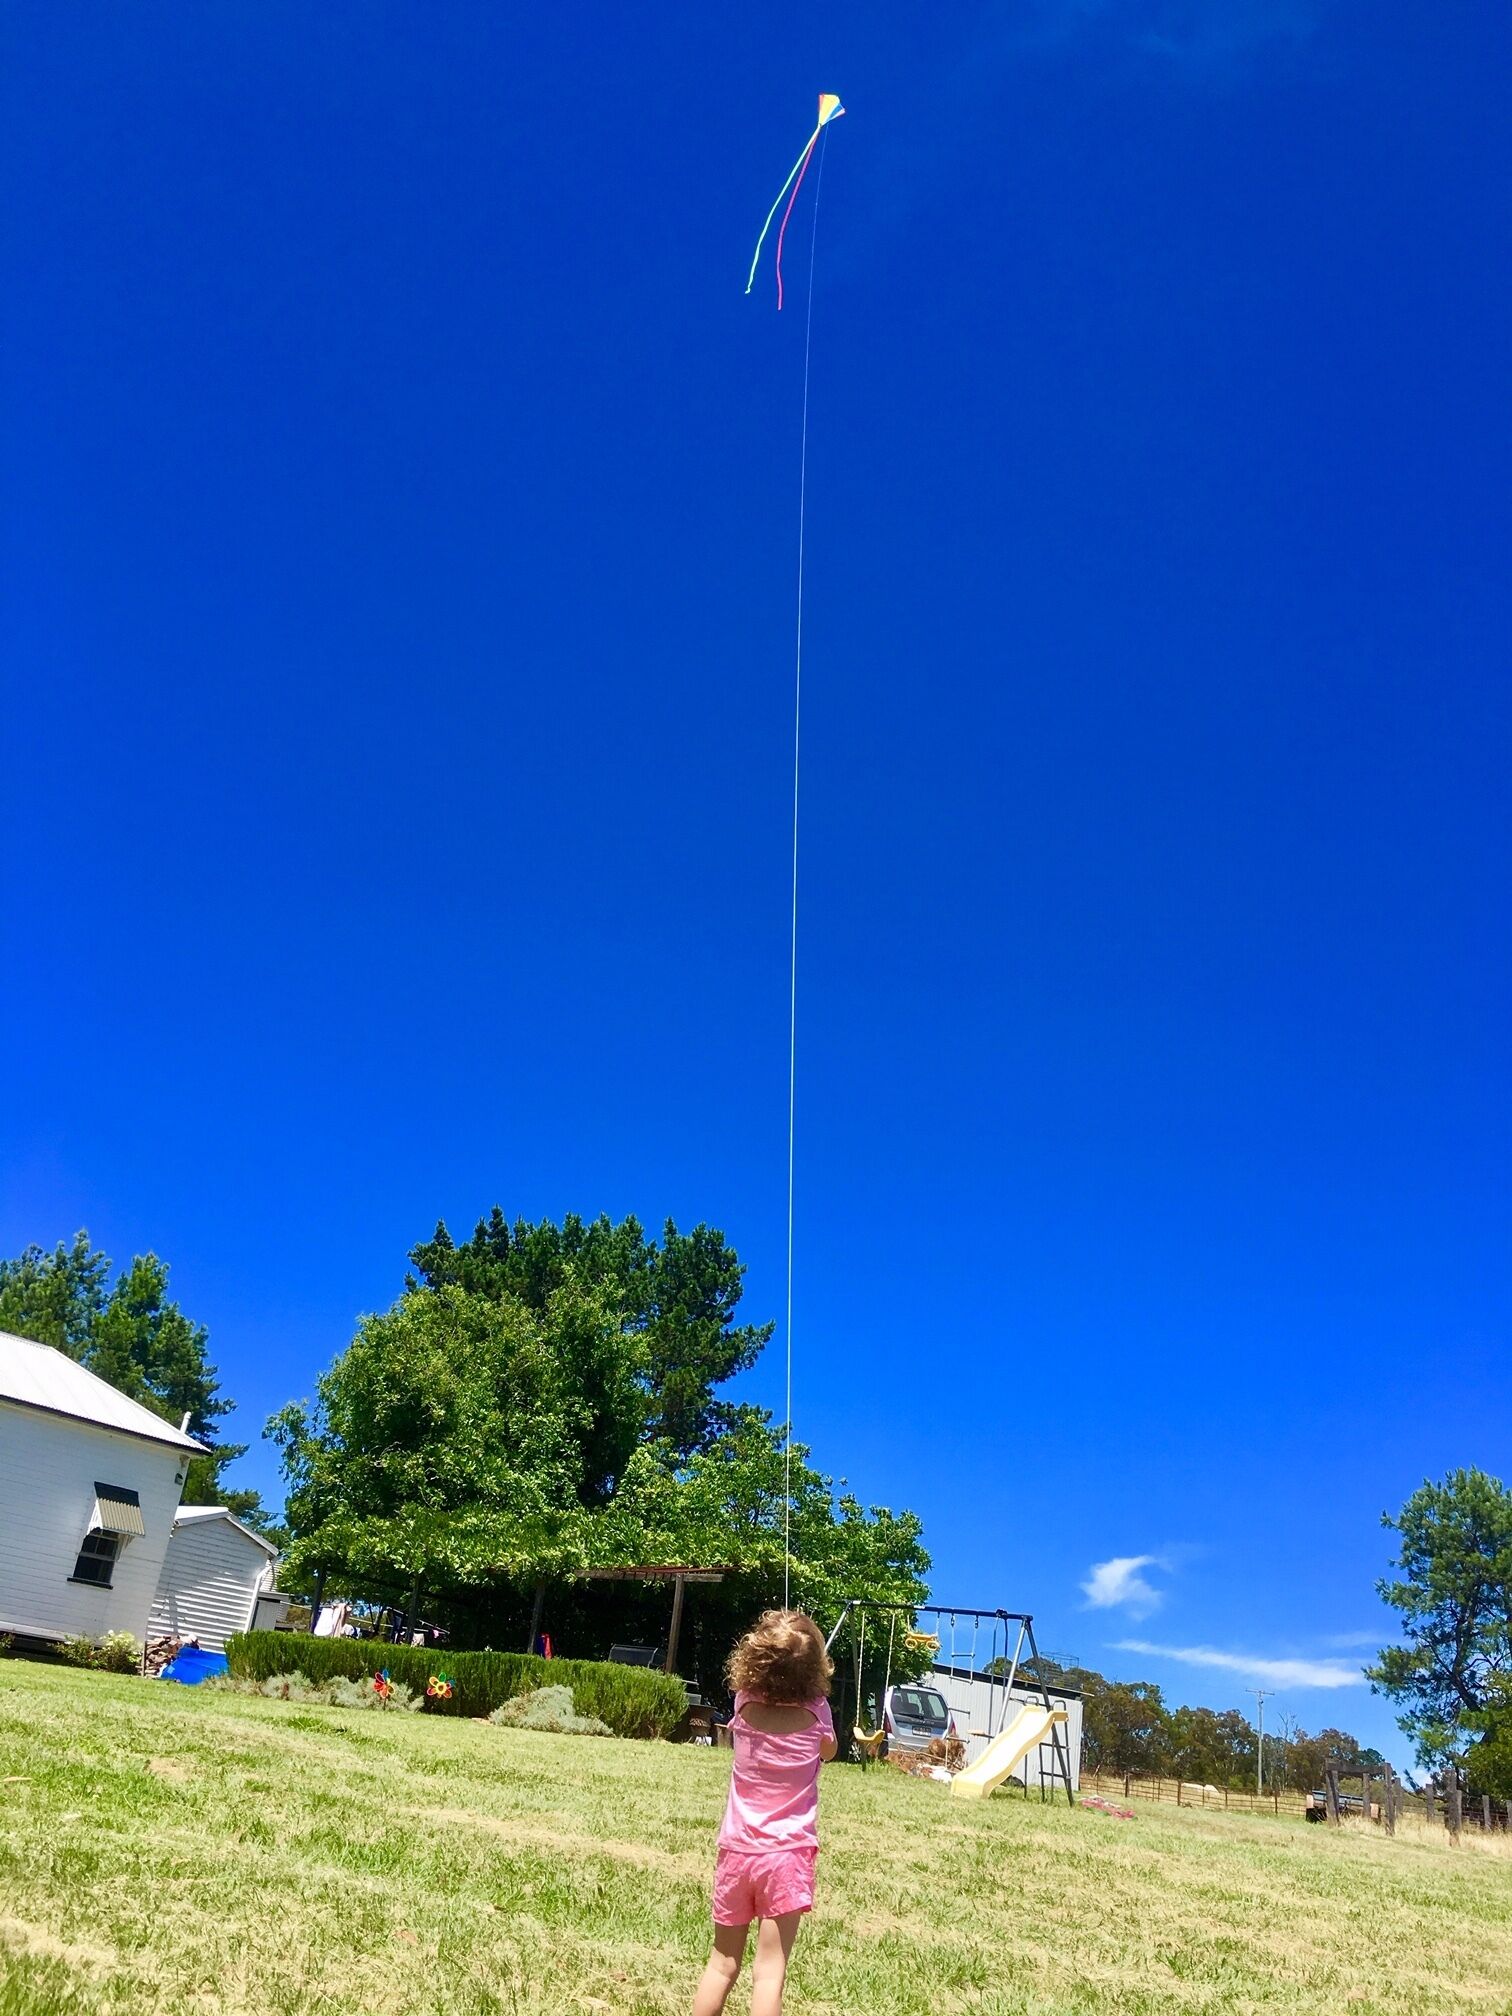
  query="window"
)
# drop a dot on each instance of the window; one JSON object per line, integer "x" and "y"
{"x": 920, "y": 1704}
{"x": 96, "y": 1559}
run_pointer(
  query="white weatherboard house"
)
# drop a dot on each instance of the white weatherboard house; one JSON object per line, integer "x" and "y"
{"x": 215, "y": 1571}
{"x": 89, "y": 1485}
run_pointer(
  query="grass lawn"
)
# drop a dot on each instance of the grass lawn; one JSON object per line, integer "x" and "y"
{"x": 163, "y": 1850}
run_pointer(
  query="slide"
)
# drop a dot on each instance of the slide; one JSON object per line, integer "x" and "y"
{"x": 1031, "y": 1725}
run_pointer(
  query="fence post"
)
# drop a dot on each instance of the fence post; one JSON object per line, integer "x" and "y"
{"x": 1178, "y": 1791}
{"x": 1331, "y": 1785}
{"x": 1486, "y": 1811}
{"x": 1388, "y": 1800}
{"x": 1428, "y": 1800}
{"x": 1452, "y": 1810}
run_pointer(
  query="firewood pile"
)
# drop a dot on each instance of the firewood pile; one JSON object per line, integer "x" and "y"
{"x": 940, "y": 1753}
{"x": 160, "y": 1651}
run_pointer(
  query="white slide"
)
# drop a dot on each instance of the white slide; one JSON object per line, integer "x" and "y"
{"x": 1032, "y": 1724}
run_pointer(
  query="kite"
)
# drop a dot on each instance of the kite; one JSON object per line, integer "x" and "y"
{"x": 829, "y": 108}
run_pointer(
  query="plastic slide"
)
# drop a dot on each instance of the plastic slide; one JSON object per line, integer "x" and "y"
{"x": 1031, "y": 1725}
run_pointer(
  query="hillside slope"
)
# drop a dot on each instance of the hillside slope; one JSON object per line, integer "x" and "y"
{"x": 169, "y": 1851}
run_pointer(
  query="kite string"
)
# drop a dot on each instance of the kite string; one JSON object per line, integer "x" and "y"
{"x": 808, "y": 330}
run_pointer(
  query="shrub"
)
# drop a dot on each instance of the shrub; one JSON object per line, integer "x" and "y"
{"x": 7, "y": 1639}
{"x": 548, "y": 1708}
{"x": 337, "y": 1693}
{"x": 119, "y": 1652}
{"x": 344, "y": 1693}
{"x": 287, "y": 1687}
{"x": 116, "y": 1652}
{"x": 631, "y": 1700}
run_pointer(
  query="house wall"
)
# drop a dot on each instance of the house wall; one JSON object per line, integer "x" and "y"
{"x": 210, "y": 1580}
{"x": 979, "y": 1706}
{"x": 48, "y": 1468}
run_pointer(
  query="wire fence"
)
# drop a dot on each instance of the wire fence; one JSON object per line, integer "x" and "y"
{"x": 1183, "y": 1792}
{"x": 1489, "y": 1815}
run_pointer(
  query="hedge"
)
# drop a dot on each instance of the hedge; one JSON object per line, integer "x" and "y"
{"x": 631, "y": 1699}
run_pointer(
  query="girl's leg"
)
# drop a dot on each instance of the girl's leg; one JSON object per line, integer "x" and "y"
{"x": 724, "y": 1965}
{"x": 774, "y": 1942}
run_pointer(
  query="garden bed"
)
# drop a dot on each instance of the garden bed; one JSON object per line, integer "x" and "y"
{"x": 630, "y": 1699}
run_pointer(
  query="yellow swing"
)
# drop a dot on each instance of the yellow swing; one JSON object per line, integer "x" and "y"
{"x": 869, "y": 1742}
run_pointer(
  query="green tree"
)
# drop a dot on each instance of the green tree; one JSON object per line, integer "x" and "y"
{"x": 1453, "y": 1591}
{"x": 55, "y": 1298}
{"x": 677, "y": 1298}
{"x": 1124, "y": 1725}
{"x": 459, "y": 1440}
{"x": 476, "y": 1445}
{"x": 1489, "y": 1764}
{"x": 133, "y": 1335}
{"x": 1200, "y": 1747}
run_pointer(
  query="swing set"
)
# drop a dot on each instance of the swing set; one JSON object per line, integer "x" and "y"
{"x": 1022, "y": 1665}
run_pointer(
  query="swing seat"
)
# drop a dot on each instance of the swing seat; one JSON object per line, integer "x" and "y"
{"x": 869, "y": 1742}
{"x": 922, "y": 1641}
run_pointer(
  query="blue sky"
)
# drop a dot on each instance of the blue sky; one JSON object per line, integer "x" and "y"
{"x": 399, "y": 516}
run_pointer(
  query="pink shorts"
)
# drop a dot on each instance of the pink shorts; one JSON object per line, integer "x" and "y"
{"x": 766, "y": 1883}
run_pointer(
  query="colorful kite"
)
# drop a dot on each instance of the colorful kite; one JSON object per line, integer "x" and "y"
{"x": 829, "y": 108}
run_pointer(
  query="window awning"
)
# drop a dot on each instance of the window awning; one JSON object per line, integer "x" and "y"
{"x": 117, "y": 1510}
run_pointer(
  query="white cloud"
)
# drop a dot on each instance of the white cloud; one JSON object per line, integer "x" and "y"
{"x": 1267, "y": 1672}
{"x": 1119, "y": 1585}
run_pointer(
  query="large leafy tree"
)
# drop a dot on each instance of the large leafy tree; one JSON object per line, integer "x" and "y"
{"x": 1453, "y": 1592}
{"x": 461, "y": 1440}
{"x": 678, "y": 1298}
{"x": 540, "y": 1403}
{"x": 134, "y": 1335}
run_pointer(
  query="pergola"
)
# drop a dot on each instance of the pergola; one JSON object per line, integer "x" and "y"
{"x": 679, "y": 1577}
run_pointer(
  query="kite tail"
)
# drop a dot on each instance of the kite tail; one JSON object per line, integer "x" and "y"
{"x": 793, "y": 173}
{"x": 808, "y": 155}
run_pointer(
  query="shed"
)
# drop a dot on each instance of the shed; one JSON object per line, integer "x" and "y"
{"x": 89, "y": 1484}
{"x": 982, "y": 1704}
{"x": 213, "y": 1574}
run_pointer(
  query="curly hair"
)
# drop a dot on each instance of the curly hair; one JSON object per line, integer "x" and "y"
{"x": 781, "y": 1659}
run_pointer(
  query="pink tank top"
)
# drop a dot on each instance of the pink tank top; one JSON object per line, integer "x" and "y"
{"x": 774, "y": 1787}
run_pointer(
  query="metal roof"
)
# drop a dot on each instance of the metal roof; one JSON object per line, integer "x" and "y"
{"x": 118, "y": 1510}
{"x": 35, "y": 1375}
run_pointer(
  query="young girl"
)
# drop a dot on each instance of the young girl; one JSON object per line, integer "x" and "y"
{"x": 768, "y": 1844}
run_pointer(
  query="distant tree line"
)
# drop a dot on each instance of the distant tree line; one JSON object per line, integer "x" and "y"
{"x": 1126, "y": 1726}
{"x": 1450, "y": 1678}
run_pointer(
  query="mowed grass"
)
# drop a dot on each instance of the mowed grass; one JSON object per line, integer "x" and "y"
{"x": 167, "y": 1850}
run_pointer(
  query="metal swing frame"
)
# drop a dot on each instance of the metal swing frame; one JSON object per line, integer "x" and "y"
{"x": 1060, "y": 1771}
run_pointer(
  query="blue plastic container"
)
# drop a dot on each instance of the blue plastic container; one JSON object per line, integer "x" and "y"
{"x": 191, "y": 1666}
